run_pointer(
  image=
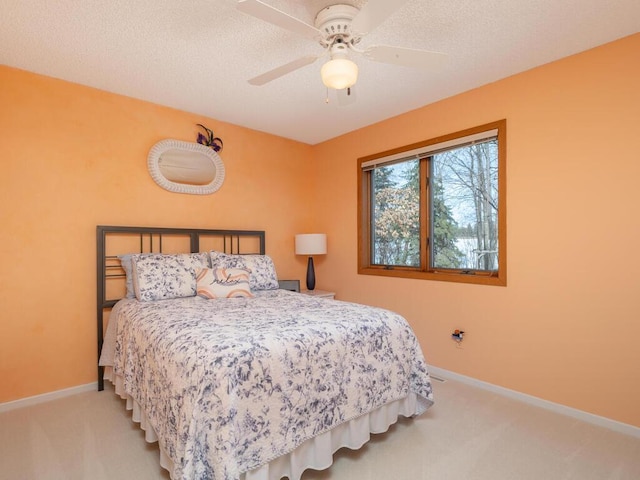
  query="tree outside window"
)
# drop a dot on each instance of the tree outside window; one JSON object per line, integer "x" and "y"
{"x": 439, "y": 211}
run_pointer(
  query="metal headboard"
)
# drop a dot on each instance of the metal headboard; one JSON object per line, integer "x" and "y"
{"x": 152, "y": 240}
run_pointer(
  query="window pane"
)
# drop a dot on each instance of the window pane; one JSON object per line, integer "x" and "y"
{"x": 396, "y": 214}
{"x": 464, "y": 201}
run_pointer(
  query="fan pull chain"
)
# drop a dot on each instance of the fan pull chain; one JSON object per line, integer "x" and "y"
{"x": 326, "y": 100}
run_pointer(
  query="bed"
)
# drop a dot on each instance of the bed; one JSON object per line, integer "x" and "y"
{"x": 261, "y": 385}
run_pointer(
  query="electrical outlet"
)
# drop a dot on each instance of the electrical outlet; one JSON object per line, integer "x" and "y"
{"x": 458, "y": 335}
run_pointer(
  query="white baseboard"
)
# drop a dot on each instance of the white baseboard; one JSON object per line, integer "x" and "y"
{"x": 538, "y": 402}
{"x": 46, "y": 397}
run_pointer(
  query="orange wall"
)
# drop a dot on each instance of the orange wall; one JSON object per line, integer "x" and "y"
{"x": 74, "y": 157}
{"x": 565, "y": 327}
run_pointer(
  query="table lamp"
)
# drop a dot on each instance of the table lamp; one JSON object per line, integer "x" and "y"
{"x": 311, "y": 244}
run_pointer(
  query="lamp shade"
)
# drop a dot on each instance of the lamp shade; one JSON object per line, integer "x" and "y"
{"x": 339, "y": 73}
{"x": 311, "y": 244}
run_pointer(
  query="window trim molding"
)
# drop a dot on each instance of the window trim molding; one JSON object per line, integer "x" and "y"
{"x": 430, "y": 146}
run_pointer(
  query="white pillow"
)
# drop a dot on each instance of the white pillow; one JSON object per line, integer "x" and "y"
{"x": 262, "y": 271}
{"x": 162, "y": 276}
{"x": 223, "y": 283}
{"x": 126, "y": 262}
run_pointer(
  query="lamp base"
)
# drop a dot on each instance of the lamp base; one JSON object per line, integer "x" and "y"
{"x": 311, "y": 275}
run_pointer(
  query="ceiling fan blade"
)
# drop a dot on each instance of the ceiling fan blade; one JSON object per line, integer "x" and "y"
{"x": 373, "y": 13}
{"x": 276, "y": 17}
{"x": 283, "y": 70}
{"x": 406, "y": 57}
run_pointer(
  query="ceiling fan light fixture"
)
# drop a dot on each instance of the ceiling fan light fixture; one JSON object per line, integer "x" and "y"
{"x": 339, "y": 73}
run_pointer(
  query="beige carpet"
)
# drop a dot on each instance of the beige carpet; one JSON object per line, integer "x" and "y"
{"x": 470, "y": 434}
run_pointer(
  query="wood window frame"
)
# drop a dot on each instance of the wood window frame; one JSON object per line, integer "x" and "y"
{"x": 365, "y": 266}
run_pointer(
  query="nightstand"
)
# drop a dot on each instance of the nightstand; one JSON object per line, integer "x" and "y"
{"x": 291, "y": 285}
{"x": 319, "y": 293}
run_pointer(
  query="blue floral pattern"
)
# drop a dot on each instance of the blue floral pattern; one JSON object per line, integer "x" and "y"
{"x": 158, "y": 276}
{"x": 230, "y": 384}
{"x": 262, "y": 270}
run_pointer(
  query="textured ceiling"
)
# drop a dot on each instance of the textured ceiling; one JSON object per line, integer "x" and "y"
{"x": 197, "y": 55}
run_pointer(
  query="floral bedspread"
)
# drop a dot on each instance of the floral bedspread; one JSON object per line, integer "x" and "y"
{"x": 230, "y": 384}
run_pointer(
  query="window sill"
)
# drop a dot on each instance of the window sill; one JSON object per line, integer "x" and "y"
{"x": 477, "y": 279}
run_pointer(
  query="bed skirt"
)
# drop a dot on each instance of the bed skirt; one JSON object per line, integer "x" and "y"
{"x": 315, "y": 453}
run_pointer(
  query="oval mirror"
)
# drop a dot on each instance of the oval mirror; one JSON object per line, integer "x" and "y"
{"x": 185, "y": 167}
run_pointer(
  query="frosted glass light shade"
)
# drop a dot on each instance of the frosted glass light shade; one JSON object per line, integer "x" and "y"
{"x": 339, "y": 73}
{"x": 311, "y": 244}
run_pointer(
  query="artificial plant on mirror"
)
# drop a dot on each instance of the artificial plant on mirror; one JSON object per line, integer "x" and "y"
{"x": 209, "y": 139}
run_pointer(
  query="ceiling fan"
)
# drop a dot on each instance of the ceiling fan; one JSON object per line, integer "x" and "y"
{"x": 339, "y": 29}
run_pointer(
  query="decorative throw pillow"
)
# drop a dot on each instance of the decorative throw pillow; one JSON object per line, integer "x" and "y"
{"x": 162, "y": 276}
{"x": 261, "y": 268}
{"x": 223, "y": 283}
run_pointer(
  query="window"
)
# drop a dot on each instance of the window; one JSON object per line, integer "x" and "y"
{"x": 436, "y": 209}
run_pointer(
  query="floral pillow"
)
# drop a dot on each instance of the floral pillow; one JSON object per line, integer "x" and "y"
{"x": 262, "y": 271}
{"x": 223, "y": 283}
{"x": 126, "y": 262}
{"x": 162, "y": 276}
